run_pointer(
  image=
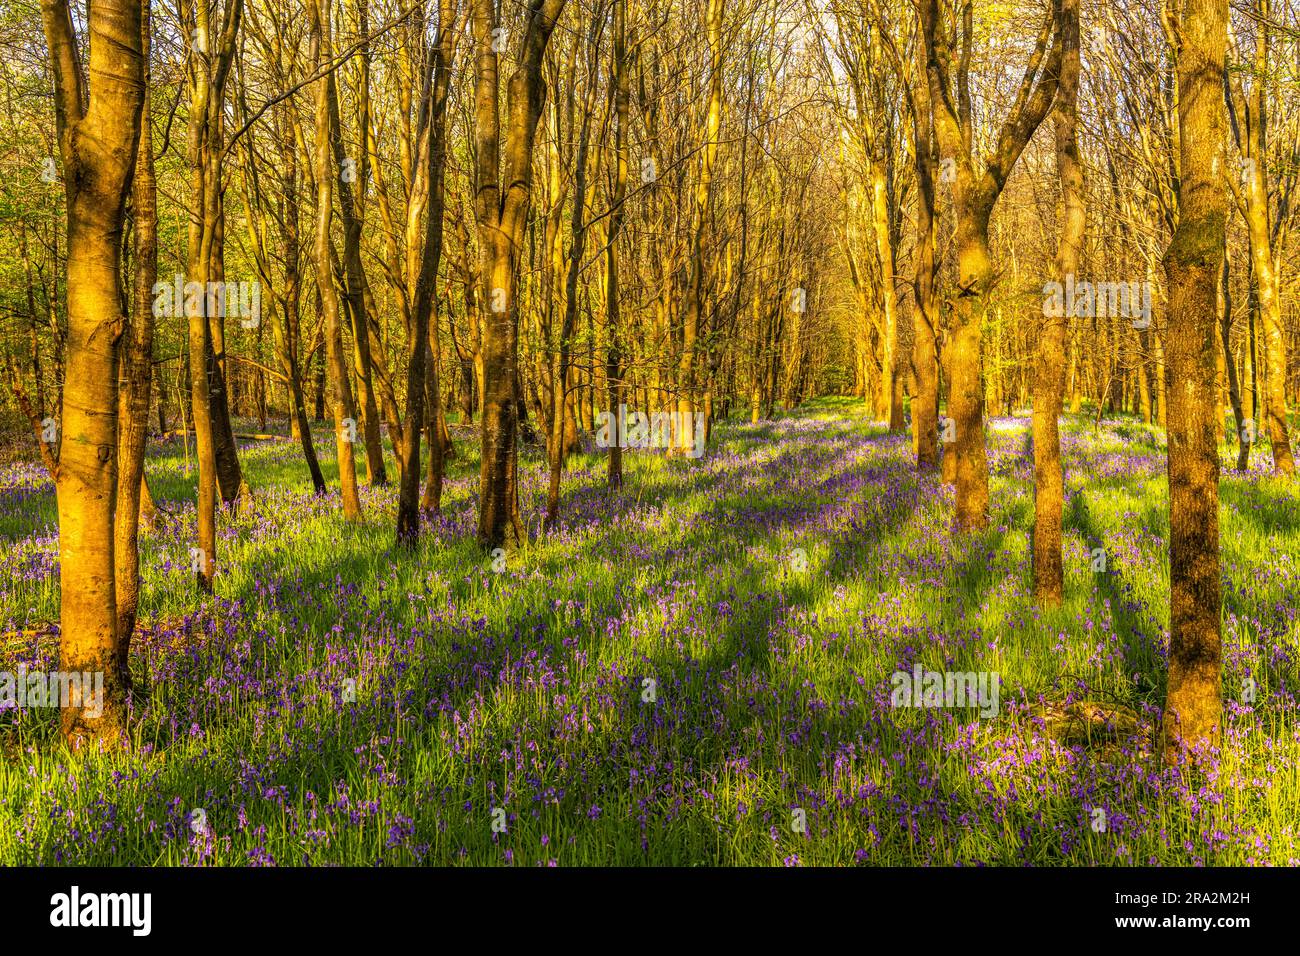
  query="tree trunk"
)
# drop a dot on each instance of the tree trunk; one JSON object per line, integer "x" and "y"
{"x": 560, "y": 374}
{"x": 614, "y": 355}
{"x": 1192, "y": 265}
{"x": 891, "y": 378}
{"x": 975, "y": 193}
{"x": 501, "y": 208}
{"x": 966, "y": 388}
{"x": 98, "y": 129}
{"x": 1267, "y": 287}
{"x": 356, "y": 169}
{"x": 925, "y": 318}
{"x": 440, "y": 447}
{"x": 1230, "y": 370}
{"x": 209, "y": 60}
{"x": 686, "y": 384}
{"x": 340, "y": 387}
{"x": 287, "y": 332}
{"x": 230, "y": 478}
{"x": 136, "y": 378}
{"x": 1049, "y": 380}
{"x": 421, "y": 365}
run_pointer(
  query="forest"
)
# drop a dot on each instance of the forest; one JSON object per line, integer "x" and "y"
{"x": 649, "y": 432}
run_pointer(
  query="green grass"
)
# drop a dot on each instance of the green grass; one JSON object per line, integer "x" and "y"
{"x": 769, "y": 590}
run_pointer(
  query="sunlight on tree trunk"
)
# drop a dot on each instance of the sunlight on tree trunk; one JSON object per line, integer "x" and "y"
{"x": 1049, "y": 381}
{"x": 99, "y": 130}
{"x": 1192, "y": 266}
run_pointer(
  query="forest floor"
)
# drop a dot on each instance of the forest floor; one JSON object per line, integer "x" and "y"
{"x": 695, "y": 671}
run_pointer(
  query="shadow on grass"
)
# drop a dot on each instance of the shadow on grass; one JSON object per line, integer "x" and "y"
{"x": 1140, "y": 647}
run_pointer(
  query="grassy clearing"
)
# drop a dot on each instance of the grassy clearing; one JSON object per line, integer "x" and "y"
{"x": 673, "y": 674}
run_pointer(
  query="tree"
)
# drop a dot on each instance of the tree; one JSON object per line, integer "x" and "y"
{"x": 1049, "y": 380}
{"x": 975, "y": 193}
{"x": 211, "y": 51}
{"x": 501, "y": 211}
{"x": 1192, "y": 266}
{"x": 98, "y": 131}
{"x": 341, "y": 403}
{"x": 421, "y": 360}
{"x": 620, "y": 90}
{"x": 353, "y": 209}
{"x": 136, "y": 374}
{"x": 577, "y": 243}
{"x": 1252, "y": 140}
{"x": 693, "y": 296}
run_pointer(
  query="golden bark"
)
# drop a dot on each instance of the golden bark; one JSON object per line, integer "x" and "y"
{"x": 501, "y": 209}
{"x": 98, "y": 131}
{"x": 975, "y": 193}
{"x": 1049, "y": 380}
{"x": 341, "y": 404}
{"x": 693, "y": 295}
{"x": 1267, "y": 291}
{"x": 1192, "y": 266}
{"x": 422, "y": 360}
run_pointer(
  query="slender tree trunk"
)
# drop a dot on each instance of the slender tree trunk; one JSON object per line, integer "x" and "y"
{"x": 352, "y": 207}
{"x": 1144, "y": 375}
{"x": 1230, "y": 370}
{"x": 440, "y": 446}
{"x": 891, "y": 381}
{"x": 502, "y": 212}
{"x": 208, "y": 58}
{"x": 614, "y": 355}
{"x": 686, "y": 384}
{"x": 422, "y": 361}
{"x": 1192, "y": 266}
{"x": 1267, "y": 287}
{"x": 1049, "y": 380}
{"x": 317, "y": 356}
{"x": 1161, "y": 380}
{"x": 340, "y": 387}
{"x": 560, "y": 391}
{"x": 287, "y": 331}
{"x": 925, "y": 318}
{"x": 230, "y": 478}
{"x": 136, "y": 378}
